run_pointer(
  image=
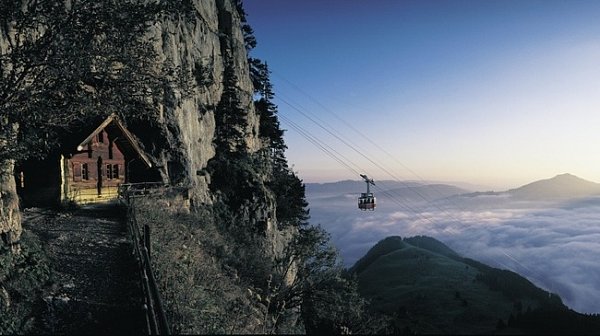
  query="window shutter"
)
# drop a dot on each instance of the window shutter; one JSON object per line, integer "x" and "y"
{"x": 76, "y": 171}
{"x": 85, "y": 172}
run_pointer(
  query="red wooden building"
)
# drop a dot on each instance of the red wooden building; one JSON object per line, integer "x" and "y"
{"x": 89, "y": 172}
{"x": 95, "y": 171}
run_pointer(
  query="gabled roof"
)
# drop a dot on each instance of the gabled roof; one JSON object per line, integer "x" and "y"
{"x": 123, "y": 138}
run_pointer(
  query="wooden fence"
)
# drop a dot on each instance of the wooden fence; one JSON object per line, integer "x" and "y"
{"x": 132, "y": 190}
{"x": 156, "y": 319}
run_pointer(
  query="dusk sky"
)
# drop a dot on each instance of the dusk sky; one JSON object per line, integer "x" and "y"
{"x": 496, "y": 93}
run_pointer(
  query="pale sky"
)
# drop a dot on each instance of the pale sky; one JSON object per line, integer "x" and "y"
{"x": 496, "y": 93}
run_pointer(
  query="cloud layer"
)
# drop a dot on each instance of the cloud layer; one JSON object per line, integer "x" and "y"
{"x": 557, "y": 246}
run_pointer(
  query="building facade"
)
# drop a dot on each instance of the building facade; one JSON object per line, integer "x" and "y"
{"x": 86, "y": 173}
{"x": 94, "y": 172}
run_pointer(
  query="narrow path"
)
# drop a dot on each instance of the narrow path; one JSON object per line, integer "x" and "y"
{"x": 95, "y": 289}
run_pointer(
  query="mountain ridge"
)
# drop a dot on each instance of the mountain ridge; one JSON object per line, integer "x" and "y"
{"x": 426, "y": 287}
{"x": 560, "y": 186}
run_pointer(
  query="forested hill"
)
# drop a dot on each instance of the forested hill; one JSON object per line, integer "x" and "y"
{"x": 426, "y": 287}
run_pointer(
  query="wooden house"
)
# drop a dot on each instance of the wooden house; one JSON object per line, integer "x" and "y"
{"x": 90, "y": 171}
{"x": 98, "y": 166}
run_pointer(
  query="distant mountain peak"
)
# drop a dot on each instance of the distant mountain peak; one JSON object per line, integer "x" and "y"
{"x": 567, "y": 176}
{"x": 560, "y": 186}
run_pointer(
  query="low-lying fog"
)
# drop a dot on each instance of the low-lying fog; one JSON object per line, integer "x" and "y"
{"x": 555, "y": 243}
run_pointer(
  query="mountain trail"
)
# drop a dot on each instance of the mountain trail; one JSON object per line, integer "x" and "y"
{"x": 95, "y": 282}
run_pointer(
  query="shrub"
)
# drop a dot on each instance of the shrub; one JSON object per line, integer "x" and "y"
{"x": 22, "y": 276}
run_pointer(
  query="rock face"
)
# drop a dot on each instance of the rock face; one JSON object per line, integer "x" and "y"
{"x": 193, "y": 44}
{"x": 203, "y": 43}
{"x": 10, "y": 217}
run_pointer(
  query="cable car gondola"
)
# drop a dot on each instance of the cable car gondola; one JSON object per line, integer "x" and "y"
{"x": 366, "y": 201}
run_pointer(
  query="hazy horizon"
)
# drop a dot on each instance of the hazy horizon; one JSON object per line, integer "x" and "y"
{"x": 471, "y": 186}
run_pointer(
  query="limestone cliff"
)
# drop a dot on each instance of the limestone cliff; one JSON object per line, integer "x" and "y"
{"x": 197, "y": 45}
{"x": 204, "y": 41}
{"x": 10, "y": 218}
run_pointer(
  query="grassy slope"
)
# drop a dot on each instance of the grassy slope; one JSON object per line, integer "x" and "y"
{"x": 200, "y": 297}
{"x": 428, "y": 288}
{"x": 431, "y": 293}
{"x": 201, "y": 277}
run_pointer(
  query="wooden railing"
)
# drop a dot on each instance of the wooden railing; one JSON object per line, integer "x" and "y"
{"x": 132, "y": 190}
{"x": 156, "y": 318}
{"x": 90, "y": 195}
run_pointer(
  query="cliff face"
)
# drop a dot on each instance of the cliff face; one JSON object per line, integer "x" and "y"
{"x": 10, "y": 217}
{"x": 204, "y": 42}
{"x": 193, "y": 44}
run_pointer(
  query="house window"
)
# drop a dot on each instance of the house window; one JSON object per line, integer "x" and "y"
{"x": 101, "y": 136}
{"x": 89, "y": 150}
{"x": 85, "y": 173}
{"x": 76, "y": 172}
{"x": 109, "y": 173}
{"x": 115, "y": 171}
{"x": 110, "y": 150}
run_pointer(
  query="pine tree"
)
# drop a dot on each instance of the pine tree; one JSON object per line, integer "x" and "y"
{"x": 231, "y": 121}
{"x": 270, "y": 129}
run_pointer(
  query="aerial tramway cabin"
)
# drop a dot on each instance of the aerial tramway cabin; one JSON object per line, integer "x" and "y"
{"x": 367, "y": 201}
{"x": 90, "y": 171}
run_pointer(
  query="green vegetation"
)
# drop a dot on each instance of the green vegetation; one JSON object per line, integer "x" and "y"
{"x": 218, "y": 278}
{"x": 425, "y": 287}
{"x": 202, "y": 293}
{"x": 389, "y": 244}
{"x": 67, "y": 64}
{"x": 432, "y": 245}
{"x": 22, "y": 276}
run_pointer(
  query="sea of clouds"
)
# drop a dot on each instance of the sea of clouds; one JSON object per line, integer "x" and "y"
{"x": 556, "y": 245}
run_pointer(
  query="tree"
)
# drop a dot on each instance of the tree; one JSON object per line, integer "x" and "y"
{"x": 270, "y": 129}
{"x": 329, "y": 301}
{"x": 62, "y": 63}
{"x": 230, "y": 116}
{"x": 259, "y": 75}
{"x": 289, "y": 192}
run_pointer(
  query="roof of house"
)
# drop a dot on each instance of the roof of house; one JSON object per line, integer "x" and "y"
{"x": 123, "y": 138}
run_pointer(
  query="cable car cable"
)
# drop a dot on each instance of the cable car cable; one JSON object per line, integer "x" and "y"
{"x": 363, "y": 155}
{"x": 325, "y": 148}
{"x": 354, "y": 147}
{"x": 375, "y": 144}
{"x": 314, "y": 140}
{"x": 379, "y": 166}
